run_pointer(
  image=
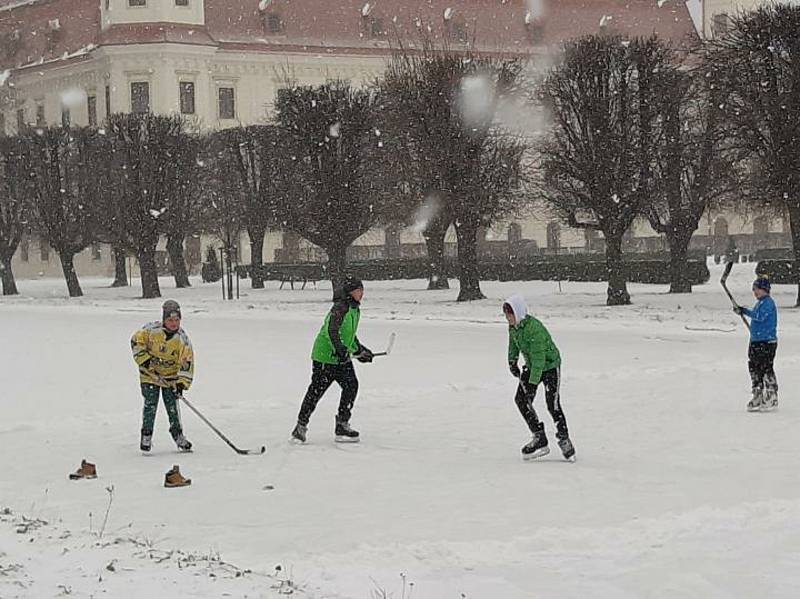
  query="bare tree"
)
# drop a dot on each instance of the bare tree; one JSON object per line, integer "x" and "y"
{"x": 596, "y": 163}
{"x": 65, "y": 198}
{"x": 142, "y": 176}
{"x": 257, "y": 172}
{"x": 15, "y": 204}
{"x": 757, "y": 65}
{"x": 337, "y": 193}
{"x": 693, "y": 167}
{"x": 442, "y": 105}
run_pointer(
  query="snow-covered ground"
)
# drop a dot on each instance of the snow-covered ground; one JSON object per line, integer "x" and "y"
{"x": 677, "y": 491}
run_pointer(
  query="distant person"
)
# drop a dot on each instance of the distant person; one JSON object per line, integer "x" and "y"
{"x": 763, "y": 347}
{"x": 331, "y": 362}
{"x": 529, "y": 337}
{"x": 163, "y": 353}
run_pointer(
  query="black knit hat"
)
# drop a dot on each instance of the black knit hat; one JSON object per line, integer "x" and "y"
{"x": 170, "y": 308}
{"x": 351, "y": 284}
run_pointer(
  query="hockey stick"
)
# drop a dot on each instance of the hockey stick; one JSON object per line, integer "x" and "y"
{"x": 204, "y": 419}
{"x": 389, "y": 346}
{"x": 221, "y": 436}
{"x": 723, "y": 281}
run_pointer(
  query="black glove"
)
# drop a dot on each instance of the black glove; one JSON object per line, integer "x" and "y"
{"x": 514, "y": 368}
{"x": 739, "y": 310}
{"x": 180, "y": 388}
{"x": 365, "y": 356}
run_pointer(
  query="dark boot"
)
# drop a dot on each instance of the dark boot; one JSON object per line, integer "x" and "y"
{"x": 146, "y": 442}
{"x": 537, "y": 447}
{"x": 182, "y": 442}
{"x": 299, "y": 433}
{"x": 344, "y": 433}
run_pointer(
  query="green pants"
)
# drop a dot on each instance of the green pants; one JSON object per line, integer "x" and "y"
{"x": 150, "y": 393}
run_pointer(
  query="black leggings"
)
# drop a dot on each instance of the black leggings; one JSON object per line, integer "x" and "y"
{"x": 526, "y": 392}
{"x": 322, "y": 377}
{"x": 761, "y": 359}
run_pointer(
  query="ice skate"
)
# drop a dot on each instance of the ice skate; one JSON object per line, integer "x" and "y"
{"x": 536, "y": 448}
{"x": 567, "y": 449}
{"x": 345, "y": 434}
{"x": 299, "y": 433}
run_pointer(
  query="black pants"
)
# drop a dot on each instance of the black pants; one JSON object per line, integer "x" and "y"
{"x": 761, "y": 359}
{"x": 526, "y": 392}
{"x": 322, "y": 377}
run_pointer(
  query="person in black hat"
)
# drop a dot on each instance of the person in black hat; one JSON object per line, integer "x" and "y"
{"x": 763, "y": 347}
{"x": 331, "y": 363}
{"x": 164, "y": 355}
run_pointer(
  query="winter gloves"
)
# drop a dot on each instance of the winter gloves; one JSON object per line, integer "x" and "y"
{"x": 364, "y": 354}
{"x": 739, "y": 310}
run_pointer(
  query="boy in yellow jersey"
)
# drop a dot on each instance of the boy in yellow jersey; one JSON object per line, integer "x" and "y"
{"x": 163, "y": 353}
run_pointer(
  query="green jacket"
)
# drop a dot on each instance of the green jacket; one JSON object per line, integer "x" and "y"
{"x": 337, "y": 338}
{"x": 531, "y": 339}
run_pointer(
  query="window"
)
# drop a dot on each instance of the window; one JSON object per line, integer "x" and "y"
{"x": 108, "y": 4}
{"x": 66, "y": 119}
{"x": 97, "y": 255}
{"x": 227, "y": 103}
{"x": 720, "y": 24}
{"x": 137, "y": 2}
{"x": 140, "y": 97}
{"x": 20, "y": 120}
{"x": 44, "y": 250}
{"x": 457, "y": 30}
{"x": 91, "y": 110}
{"x": 23, "y": 250}
{"x": 187, "y": 97}
{"x": 41, "y": 121}
{"x": 108, "y": 101}
{"x": 2, "y": 124}
{"x": 274, "y": 23}
{"x": 181, "y": 2}
{"x": 375, "y": 27}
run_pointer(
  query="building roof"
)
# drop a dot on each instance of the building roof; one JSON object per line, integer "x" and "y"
{"x": 33, "y": 32}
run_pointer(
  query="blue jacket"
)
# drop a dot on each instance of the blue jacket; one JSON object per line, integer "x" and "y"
{"x": 764, "y": 320}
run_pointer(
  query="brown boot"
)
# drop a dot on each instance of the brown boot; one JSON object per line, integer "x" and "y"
{"x": 86, "y": 470}
{"x": 174, "y": 478}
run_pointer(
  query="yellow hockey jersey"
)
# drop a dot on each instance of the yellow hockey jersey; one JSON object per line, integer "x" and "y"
{"x": 171, "y": 361}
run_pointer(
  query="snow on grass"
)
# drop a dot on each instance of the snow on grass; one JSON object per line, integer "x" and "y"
{"x": 677, "y": 491}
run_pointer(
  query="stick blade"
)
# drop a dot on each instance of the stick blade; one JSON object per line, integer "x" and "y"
{"x": 252, "y": 451}
{"x": 390, "y": 345}
{"x": 726, "y": 273}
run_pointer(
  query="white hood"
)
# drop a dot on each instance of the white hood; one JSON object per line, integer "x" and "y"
{"x": 518, "y": 305}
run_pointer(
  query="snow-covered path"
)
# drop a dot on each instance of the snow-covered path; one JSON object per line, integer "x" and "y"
{"x": 677, "y": 491}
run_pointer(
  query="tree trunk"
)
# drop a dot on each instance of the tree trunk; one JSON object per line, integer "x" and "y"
{"x": 434, "y": 241}
{"x": 177, "y": 261}
{"x": 7, "y": 276}
{"x": 794, "y": 225}
{"x": 679, "y": 263}
{"x": 70, "y": 276}
{"x": 617, "y": 289}
{"x": 337, "y": 267}
{"x": 468, "y": 273}
{"x": 120, "y": 272}
{"x": 149, "y": 272}
{"x": 257, "y": 235}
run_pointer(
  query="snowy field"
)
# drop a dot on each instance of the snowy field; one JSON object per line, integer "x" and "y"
{"x": 677, "y": 491}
